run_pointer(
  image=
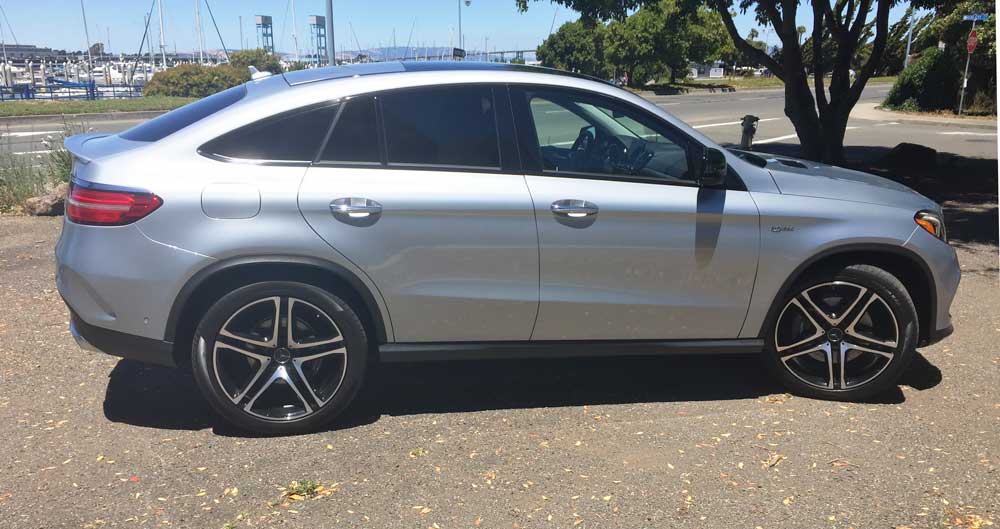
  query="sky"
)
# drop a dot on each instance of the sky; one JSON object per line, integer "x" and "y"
{"x": 495, "y": 24}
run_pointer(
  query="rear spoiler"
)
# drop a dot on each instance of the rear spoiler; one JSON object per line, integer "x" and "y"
{"x": 74, "y": 144}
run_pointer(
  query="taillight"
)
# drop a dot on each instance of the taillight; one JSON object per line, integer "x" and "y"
{"x": 108, "y": 206}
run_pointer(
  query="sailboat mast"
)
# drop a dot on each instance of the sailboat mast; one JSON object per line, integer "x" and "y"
{"x": 201, "y": 38}
{"x": 163, "y": 47}
{"x": 86, "y": 33}
{"x": 295, "y": 36}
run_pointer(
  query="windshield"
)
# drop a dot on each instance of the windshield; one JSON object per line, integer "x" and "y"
{"x": 175, "y": 120}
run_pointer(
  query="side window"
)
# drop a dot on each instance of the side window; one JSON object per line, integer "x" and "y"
{"x": 355, "y": 135}
{"x": 577, "y": 133}
{"x": 441, "y": 126}
{"x": 293, "y": 136}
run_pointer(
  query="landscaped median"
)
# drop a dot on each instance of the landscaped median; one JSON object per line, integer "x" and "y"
{"x": 38, "y": 107}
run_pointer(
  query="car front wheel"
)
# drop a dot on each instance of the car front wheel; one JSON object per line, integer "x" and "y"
{"x": 279, "y": 357}
{"x": 844, "y": 334}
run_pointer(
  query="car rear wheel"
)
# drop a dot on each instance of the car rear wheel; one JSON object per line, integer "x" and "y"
{"x": 845, "y": 334}
{"x": 279, "y": 357}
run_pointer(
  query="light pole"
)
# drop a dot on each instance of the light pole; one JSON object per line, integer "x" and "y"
{"x": 330, "y": 40}
{"x": 461, "y": 42}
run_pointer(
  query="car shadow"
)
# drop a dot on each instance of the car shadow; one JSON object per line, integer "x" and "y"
{"x": 157, "y": 397}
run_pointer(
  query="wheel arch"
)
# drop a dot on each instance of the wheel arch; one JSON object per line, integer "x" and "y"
{"x": 901, "y": 262}
{"x": 212, "y": 282}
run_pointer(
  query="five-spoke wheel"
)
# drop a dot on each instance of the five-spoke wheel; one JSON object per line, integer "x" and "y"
{"x": 845, "y": 334}
{"x": 272, "y": 356}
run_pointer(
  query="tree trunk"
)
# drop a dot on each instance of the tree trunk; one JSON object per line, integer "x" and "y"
{"x": 833, "y": 125}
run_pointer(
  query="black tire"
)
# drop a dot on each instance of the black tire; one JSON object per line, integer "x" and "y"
{"x": 319, "y": 401}
{"x": 803, "y": 372}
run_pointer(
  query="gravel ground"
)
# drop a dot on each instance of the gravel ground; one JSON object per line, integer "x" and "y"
{"x": 92, "y": 441}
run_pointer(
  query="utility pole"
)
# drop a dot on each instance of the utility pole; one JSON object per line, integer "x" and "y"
{"x": 331, "y": 54}
{"x": 163, "y": 47}
{"x": 909, "y": 40}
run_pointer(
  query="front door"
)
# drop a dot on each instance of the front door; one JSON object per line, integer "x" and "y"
{"x": 630, "y": 247}
{"x": 429, "y": 211}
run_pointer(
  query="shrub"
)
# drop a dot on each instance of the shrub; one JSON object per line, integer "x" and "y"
{"x": 258, "y": 58}
{"x": 929, "y": 83}
{"x": 195, "y": 80}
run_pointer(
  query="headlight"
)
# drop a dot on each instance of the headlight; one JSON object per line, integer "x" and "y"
{"x": 932, "y": 223}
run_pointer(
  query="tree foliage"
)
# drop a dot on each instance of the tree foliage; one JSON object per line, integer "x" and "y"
{"x": 576, "y": 47}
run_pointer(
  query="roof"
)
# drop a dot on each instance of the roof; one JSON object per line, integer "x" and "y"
{"x": 374, "y": 68}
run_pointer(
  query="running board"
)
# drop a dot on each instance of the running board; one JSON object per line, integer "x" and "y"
{"x": 434, "y": 351}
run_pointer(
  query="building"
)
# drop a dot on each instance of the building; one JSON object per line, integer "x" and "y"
{"x": 21, "y": 52}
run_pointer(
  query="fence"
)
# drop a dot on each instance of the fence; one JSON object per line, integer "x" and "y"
{"x": 55, "y": 91}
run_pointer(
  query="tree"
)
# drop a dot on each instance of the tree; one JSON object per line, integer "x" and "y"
{"x": 663, "y": 36}
{"x": 577, "y": 47}
{"x": 818, "y": 112}
{"x": 258, "y": 58}
{"x": 801, "y": 30}
{"x": 895, "y": 50}
{"x": 948, "y": 27}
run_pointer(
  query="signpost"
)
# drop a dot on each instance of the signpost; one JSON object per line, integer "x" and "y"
{"x": 970, "y": 45}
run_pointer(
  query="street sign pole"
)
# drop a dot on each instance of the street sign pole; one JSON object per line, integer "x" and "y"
{"x": 965, "y": 78}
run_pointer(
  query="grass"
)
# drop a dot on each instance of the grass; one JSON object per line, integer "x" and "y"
{"x": 305, "y": 488}
{"x": 74, "y": 106}
{"x": 25, "y": 176}
{"x": 737, "y": 83}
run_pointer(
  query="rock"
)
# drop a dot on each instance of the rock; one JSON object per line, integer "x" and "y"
{"x": 49, "y": 204}
{"x": 910, "y": 156}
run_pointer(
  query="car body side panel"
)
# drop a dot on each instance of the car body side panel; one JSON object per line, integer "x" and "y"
{"x": 943, "y": 263}
{"x": 277, "y": 228}
{"x": 794, "y": 229}
{"x": 656, "y": 262}
{"x": 454, "y": 254}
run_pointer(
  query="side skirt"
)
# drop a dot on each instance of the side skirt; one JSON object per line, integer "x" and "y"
{"x": 423, "y": 352}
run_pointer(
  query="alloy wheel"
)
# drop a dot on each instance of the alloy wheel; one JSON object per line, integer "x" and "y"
{"x": 279, "y": 358}
{"x": 836, "y": 336}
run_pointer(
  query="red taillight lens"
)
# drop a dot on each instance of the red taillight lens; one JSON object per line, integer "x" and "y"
{"x": 108, "y": 207}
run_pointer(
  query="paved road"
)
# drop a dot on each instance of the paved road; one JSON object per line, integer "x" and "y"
{"x": 91, "y": 442}
{"x": 715, "y": 115}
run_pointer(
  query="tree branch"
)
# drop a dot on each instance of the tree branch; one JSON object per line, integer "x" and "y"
{"x": 757, "y": 55}
{"x": 878, "y": 48}
{"x": 817, "y": 45}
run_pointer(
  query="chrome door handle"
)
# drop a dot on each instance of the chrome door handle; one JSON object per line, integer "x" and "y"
{"x": 355, "y": 208}
{"x": 574, "y": 208}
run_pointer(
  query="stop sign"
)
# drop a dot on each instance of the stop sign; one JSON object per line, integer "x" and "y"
{"x": 971, "y": 43}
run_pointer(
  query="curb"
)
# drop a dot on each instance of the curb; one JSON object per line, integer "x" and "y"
{"x": 98, "y": 116}
{"x": 876, "y": 114}
{"x": 717, "y": 91}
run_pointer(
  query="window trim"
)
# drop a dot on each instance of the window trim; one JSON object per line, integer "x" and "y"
{"x": 527, "y": 138}
{"x": 265, "y": 162}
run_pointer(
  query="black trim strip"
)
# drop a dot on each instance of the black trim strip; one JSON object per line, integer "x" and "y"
{"x": 138, "y": 348}
{"x": 421, "y": 352}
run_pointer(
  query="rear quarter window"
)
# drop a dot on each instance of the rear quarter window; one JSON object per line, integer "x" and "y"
{"x": 162, "y": 126}
{"x": 292, "y": 136}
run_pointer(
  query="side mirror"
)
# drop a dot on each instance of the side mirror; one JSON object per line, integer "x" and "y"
{"x": 713, "y": 168}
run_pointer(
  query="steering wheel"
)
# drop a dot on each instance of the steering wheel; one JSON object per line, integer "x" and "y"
{"x": 584, "y": 140}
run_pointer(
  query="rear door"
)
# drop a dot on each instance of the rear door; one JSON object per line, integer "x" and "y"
{"x": 630, "y": 247}
{"x": 421, "y": 188}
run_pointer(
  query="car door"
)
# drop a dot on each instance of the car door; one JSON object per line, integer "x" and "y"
{"x": 421, "y": 189}
{"x": 630, "y": 246}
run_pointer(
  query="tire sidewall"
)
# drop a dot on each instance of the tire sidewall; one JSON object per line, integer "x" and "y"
{"x": 898, "y": 299}
{"x": 339, "y": 311}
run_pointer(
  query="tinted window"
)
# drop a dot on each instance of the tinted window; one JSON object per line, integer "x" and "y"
{"x": 449, "y": 126}
{"x": 580, "y": 134}
{"x": 171, "y": 122}
{"x": 290, "y": 136}
{"x": 355, "y": 136}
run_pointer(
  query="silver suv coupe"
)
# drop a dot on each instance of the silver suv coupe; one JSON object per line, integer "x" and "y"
{"x": 278, "y": 237}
